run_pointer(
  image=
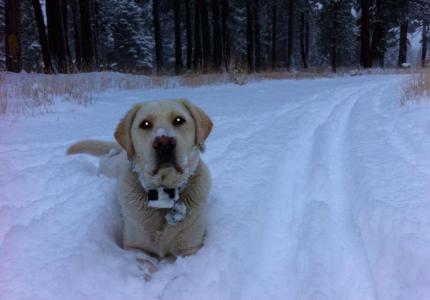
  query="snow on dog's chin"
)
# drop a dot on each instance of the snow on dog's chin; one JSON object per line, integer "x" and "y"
{"x": 168, "y": 176}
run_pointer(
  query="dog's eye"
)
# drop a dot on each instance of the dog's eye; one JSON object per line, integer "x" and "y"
{"x": 178, "y": 121}
{"x": 145, "y": 124}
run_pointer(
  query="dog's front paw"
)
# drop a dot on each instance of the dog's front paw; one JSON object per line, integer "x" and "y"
{"x": 147, "y": 264}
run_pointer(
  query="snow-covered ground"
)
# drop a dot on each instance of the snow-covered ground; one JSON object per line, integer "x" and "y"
{"x": 321, "y": 190}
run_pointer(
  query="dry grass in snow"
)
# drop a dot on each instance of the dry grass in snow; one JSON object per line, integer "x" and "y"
{"x": 417, "y": 88}
{"x": 36, "y": 93}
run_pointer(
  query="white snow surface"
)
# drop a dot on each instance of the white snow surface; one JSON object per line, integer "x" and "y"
{"x": 321, "y": 190}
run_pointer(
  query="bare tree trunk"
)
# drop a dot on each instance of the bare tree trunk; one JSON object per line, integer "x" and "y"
{"x": 249, "y": 36}
{"x": 76, "y": 34}
{"x": 95, "y": 14}
{"x": 307, "y": 38}
{"x": 366, "y": 59}
{"x": 13, "y": 36}
{"x": 257, "y": 36}
{"x": 178, "y": 42}
{"x": 205, "y": 35}
{"x": 424, "y": 41}
{"x": 377, "y": 53}
{"x": 334, "y": 44}
{"x": 157, "y": 36}
{"x": 66, "y": 31}
{"x": 274, "y": 37}
{"x": 56, "y": 34}
{"x": 378, "y": 36}
{"x": 403, "y": 44}
{"x": 225, "y": 33}
{"x": 189, "y": 35}
{"x": 86, "y": 36}
{"x": 217, "y": 37}
{"x": 43, "y": 39}
{"x": 304, "y": 35}
{"x": 333, "y": 58}
{"x": 197, "y": 37}
{"x": 290, "y": 44}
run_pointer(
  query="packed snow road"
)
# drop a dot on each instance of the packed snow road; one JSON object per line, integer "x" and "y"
{"x": 320, "y": 191}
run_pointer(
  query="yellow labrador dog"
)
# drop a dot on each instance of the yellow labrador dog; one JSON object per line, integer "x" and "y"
{"x": 163, "y": 184}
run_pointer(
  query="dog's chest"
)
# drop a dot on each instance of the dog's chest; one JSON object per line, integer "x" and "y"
{"x": 146, "y": 228}
{"x": 153, "y": 234}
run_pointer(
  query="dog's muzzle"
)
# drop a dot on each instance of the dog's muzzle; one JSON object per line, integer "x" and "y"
{"x": 164, "y": 147}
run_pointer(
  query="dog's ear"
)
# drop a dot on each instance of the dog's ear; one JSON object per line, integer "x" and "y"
{"x": 202, "y": 121}
{"x": 123, "y": 131}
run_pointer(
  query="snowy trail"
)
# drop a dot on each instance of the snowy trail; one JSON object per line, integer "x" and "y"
{"x": 320, "y": 191}
{"x": 313, "y": 205}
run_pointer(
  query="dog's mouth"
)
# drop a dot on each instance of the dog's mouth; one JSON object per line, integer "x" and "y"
{"x": 161, "y": 166}
{"x": 165, "y": 160}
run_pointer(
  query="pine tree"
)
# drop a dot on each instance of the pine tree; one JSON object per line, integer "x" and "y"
{"x": 31, "y": 51}
{"x": 385, "y": 18}
{"x": 336, "y": 34}
{"x": 237, "y": 24}
{"x": 126, "y": 35}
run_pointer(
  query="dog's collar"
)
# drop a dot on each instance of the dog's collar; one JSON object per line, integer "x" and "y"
{"x": 168, "y": 199}
{"x": 162, "y": 197}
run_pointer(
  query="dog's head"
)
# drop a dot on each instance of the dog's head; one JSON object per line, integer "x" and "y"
{"x": 163, "y": 139}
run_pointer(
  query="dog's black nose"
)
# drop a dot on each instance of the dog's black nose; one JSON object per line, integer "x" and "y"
{"x": 164, "y": 147}
{"x": 164, "y": 143}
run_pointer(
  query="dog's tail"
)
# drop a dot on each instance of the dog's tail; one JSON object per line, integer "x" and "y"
{"x": 93, "y": 147}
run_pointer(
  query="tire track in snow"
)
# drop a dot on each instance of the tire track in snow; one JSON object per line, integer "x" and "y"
{"x": 392, "y": 211}
{"x": 311, "y": 200}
